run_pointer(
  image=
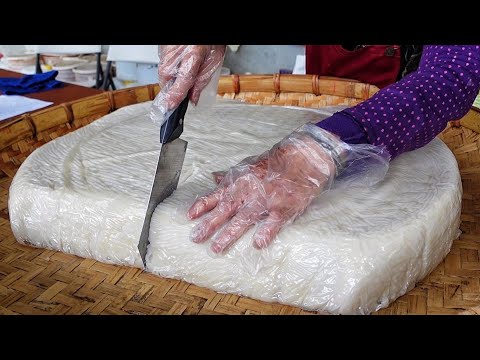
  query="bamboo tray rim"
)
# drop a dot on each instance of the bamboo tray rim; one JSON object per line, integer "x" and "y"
{"x": 222, "y": 81}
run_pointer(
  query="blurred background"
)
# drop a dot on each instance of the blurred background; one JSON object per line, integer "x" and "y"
{"x": 133, "y": 65}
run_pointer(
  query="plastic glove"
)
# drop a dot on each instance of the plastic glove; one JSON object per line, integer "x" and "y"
{"x": 191, "y": 67}
{"x": 274, "y": 188}
{"x": 271, "y": 189}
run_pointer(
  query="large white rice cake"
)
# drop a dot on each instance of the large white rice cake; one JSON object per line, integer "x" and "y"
{"x": 353, "y": 251}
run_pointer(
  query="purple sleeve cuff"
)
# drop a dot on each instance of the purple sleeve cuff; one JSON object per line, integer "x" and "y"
{"x": 408, "y": 114}
{"x": 346, "y": 127}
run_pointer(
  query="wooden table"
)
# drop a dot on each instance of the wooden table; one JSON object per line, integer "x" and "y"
{"x": 66, "y": 93}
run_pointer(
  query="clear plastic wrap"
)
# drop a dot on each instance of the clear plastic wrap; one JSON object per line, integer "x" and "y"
{"x": 271, "y": 190}
{"x": 186, "y": 69}
{"x": 353, "y": 250}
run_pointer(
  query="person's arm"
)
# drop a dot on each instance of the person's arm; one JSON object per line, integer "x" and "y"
{"x": 410, "y": 113}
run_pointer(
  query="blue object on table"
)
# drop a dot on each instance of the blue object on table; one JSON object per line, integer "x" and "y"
{"x": 30, "y": 83}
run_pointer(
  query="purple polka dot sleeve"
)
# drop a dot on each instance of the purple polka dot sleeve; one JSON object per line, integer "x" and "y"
{"x": 410, "y": 113}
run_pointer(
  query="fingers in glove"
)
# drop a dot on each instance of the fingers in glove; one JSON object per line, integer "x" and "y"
{"x": 185, "y": 78}
{"x": 170, "y": 57}
{"x": 268, "y": 230}
{"x": 204, "y": 204}
{"x": 212, "y": 63}
{"x": 238, "y": 226}
{"x": 214, "y": 220}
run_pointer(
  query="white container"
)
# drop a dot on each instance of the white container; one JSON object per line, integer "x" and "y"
{"x": 93, "y": 58}
{"x": 74, "y": 59}
{"x": 57, "y": 59}
{"x": 51, "y": 59}
{"x": 147, "y": 74}
{"x": 123, "y": 84}
{"x": 65, "y": 71}
{"x": 17, "y": 62}
{"x": 85, "y": 73}
{"x": 126, "y": 70}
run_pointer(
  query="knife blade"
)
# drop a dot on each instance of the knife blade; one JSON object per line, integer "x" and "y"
{"x": 167, "y": 173}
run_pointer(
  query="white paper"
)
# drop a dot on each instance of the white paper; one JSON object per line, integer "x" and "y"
{"x": 12, "y": 105}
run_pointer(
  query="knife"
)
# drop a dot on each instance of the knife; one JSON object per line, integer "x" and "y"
{"x": 167, "y": 173}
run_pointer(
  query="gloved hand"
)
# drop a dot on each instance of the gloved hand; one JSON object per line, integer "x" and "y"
{"x": 271, "y": 189}
{"x": 191, "y": 67}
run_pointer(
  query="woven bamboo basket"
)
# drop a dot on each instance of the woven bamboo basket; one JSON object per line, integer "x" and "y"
{"x": 40, "y": 281}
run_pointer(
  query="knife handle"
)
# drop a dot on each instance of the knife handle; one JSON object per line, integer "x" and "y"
{"x": 172, "y": 128}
